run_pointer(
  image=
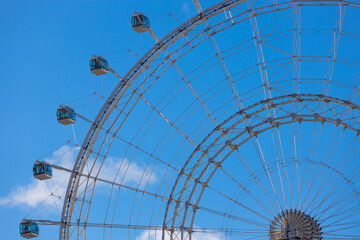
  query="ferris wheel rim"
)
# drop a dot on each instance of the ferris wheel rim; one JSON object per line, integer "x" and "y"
{"x": 294, "y": 118}
{"x": 106, "y": 110}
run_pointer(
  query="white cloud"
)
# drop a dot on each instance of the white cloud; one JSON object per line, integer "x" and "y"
{"x": 185, "y": 7}
{"x": 37, "y": 191}
{"x": 199, "y": 235}
{"x": 205, "y": 235}
{"x": 29, "y": 195}
{"x": 49, "y": 191}
{"x": 125, "y": 172}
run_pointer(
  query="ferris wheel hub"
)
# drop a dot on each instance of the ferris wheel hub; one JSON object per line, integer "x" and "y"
{"x": 294, "y": 225}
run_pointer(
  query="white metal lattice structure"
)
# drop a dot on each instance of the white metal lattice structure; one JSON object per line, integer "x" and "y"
{"x": 241, "y": 118}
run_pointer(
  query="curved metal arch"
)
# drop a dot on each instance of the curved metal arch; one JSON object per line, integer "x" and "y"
{"x": 217, "y": 165}
{"x": 116, "y": 95}
{"x": 266, "y": 104}
{"x": 300, "y": 118}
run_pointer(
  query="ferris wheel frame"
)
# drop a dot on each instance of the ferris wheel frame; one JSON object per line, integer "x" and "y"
{"x": 139, "y": 67}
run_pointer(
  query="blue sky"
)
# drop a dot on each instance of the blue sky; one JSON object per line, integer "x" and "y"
{"x": 46, "y": 47}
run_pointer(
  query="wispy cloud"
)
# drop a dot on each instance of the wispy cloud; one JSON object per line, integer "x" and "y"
{"x": 199, "y": 235}
{"x": 122, "y": 171}
{"x": 51, "y": 192}
{"x": 186, "y": 7}
{"x": 36, "y": 192}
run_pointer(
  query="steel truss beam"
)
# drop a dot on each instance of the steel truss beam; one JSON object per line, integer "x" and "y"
{"x": 189, "y": 186}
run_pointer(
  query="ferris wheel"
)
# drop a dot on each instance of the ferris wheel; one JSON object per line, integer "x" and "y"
{"x": 241, "y": 123}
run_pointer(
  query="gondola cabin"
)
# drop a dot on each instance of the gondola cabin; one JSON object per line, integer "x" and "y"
{"x": 29, "y": 229}
{"x": 99, "y": 65}
{"x": 42, "y": 170}
{"x": 65, "y": 115}
{"x": 140, "y": 23}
